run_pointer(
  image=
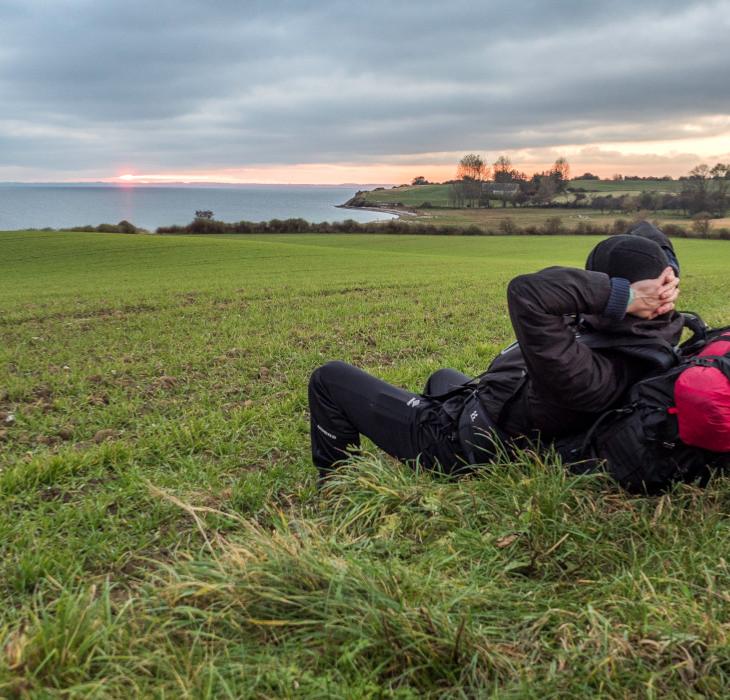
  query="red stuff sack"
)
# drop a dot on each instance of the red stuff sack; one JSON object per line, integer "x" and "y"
{"x": 702, "y": 398}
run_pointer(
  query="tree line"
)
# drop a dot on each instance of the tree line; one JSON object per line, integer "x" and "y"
{"x": 704, "y": 192}
{"x": 705, "y": 189}
{"x": 473, "y": 174}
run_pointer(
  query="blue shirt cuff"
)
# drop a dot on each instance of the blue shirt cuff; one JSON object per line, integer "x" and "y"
{"x": 618, "y": 300}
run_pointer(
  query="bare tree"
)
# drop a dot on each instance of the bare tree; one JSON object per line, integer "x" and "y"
{"x": 562, "y": 167}
{"x": 721, "y": 171}
{"x": 560, "y": 173}
{"x": 471, "y": 173}
{"x": 472, "y": 167}
{"x": 502, "y": 169}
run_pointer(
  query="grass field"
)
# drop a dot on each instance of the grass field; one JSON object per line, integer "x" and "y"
{"x": 437, "y": 195}
{"x": 629, "y": 186}
{"x": 160, "y": 530}
{"x": 490, "y": 219}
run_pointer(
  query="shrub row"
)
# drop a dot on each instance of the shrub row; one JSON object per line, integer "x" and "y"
{"x": 121, "y": 227}
{"x": 552, "y": 226}
{"x": 208, "y": 226}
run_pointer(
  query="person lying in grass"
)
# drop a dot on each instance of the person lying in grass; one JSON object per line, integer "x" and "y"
{"x": 548, "y": 384}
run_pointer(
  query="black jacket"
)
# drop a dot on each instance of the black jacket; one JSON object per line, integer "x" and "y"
{"x": 551, "y": 383}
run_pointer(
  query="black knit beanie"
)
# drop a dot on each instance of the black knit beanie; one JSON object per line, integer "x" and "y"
{"x": 632, "y": 257}
{"x": 646, "y": 229}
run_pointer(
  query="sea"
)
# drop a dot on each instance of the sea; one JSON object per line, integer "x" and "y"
{"x": 24, "y": 206}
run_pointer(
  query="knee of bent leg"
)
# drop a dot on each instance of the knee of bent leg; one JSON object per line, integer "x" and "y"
{"x": 324, "y": 372}
{"x": 439, "y": 373}
{"x": 439, "y": 380}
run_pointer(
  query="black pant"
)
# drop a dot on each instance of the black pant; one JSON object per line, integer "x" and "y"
{"x": 345, "y": 402}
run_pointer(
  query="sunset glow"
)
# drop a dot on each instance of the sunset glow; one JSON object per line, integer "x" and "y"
{"x": 172, "y": 177}
{"x": 656, "y": 157}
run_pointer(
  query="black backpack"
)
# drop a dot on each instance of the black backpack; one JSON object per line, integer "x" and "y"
{"x": 638, "y": 444}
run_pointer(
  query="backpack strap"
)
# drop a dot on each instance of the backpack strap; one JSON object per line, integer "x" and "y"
{"x": 715, "y": 334}
{"x": 721, "y": 362}
{"x": 458, "y": 390}
{"x": 694, "y": 322}
{"x": 701, "y": 338}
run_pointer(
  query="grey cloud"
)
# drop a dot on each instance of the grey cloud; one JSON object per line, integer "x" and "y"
{"x": 226, "y": 84}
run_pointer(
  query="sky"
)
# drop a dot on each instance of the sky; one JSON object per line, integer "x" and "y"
{"x": 369, "y": 92}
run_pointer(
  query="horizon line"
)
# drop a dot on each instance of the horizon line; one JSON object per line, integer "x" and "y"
{"x": 206, "y": 183}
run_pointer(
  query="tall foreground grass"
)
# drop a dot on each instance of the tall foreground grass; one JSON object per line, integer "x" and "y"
{"x": 519, "y": 581}
{"x": 161, "y": 536}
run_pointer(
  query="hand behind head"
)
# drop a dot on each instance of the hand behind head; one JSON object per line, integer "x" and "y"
{"x": 654, "y": 297}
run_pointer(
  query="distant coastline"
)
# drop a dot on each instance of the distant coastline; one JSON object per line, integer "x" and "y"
{"x": 358, "y": 203}
{"x": 398, "y": 213}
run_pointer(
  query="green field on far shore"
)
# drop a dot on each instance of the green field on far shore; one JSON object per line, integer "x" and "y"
{"x": 438, "y": 195}
{"x": 628, "y": 185}
{"x": 162, "y": 535}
